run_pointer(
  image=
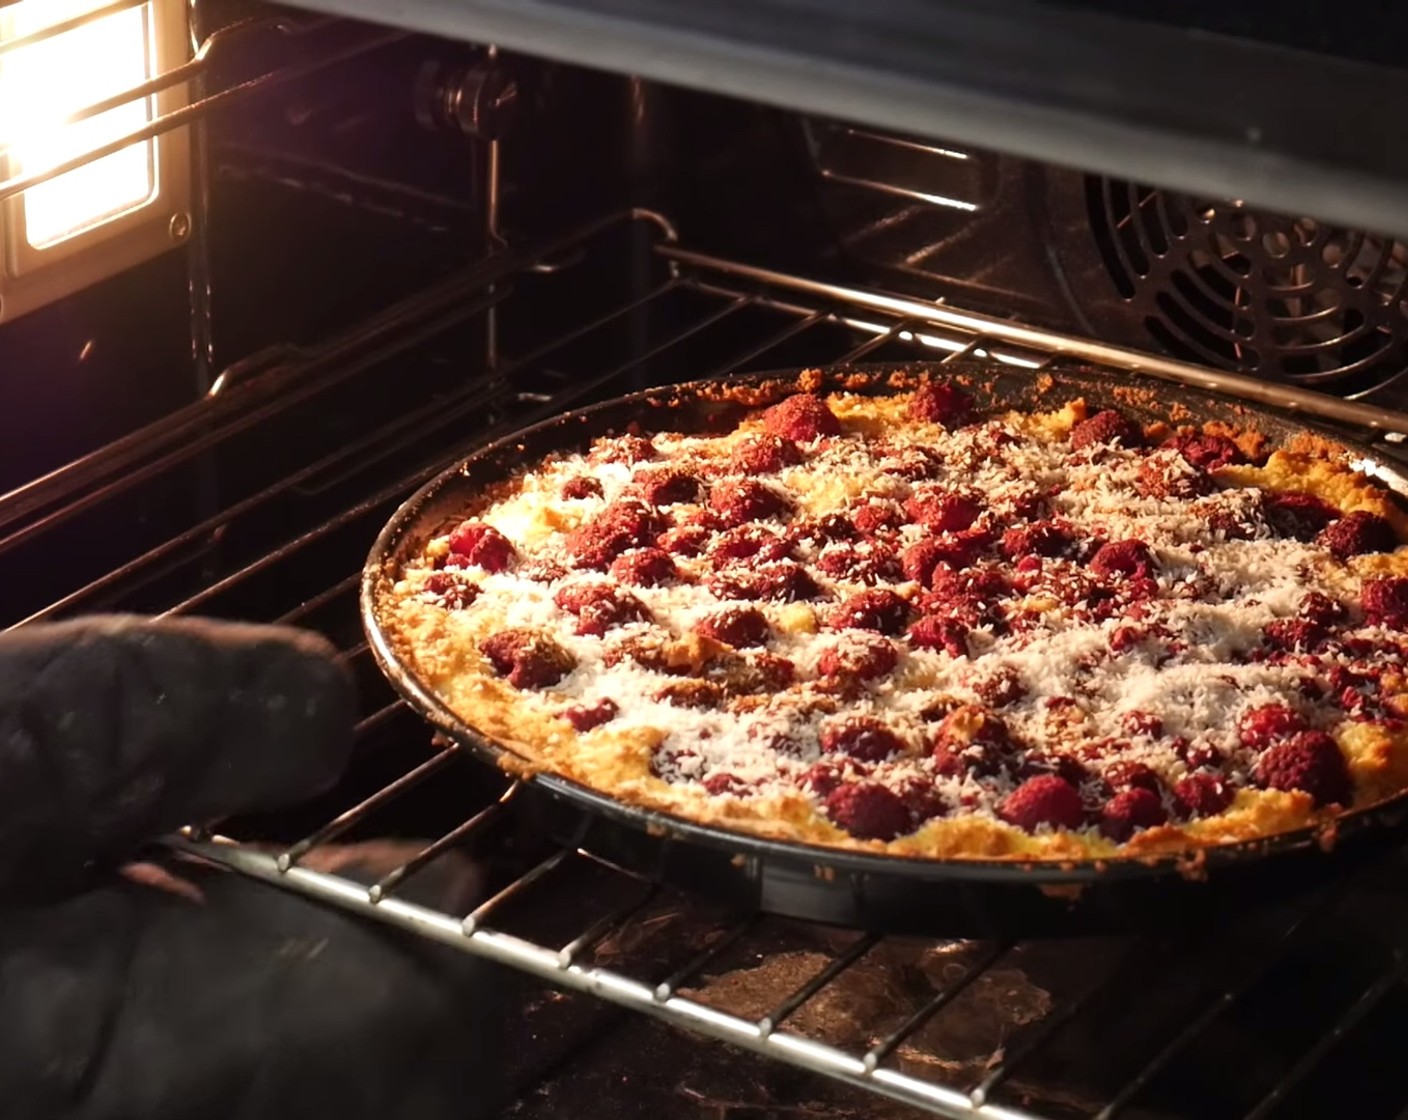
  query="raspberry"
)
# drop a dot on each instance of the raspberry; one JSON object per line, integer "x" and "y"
{"x": 922, "y": 800}
{"x": 860, "y": 737}
{"x": 1127, "y": 774}
{"x": 826, "y": 529}
{"x": 1320, "y": 609}
{"x": 1164, "y": 477}
{"x": 1227, "y": 524}
{"x": 623, "y": 524}
{"x": 1311, "y": 762}
{"x": 1260, "y": 727}
{"x": 1128, "y": 558}
{"x": 750, "y": 542}
{"x": 575, "y": 489}
{"x": 1357, "y": 533}
{"x": 685, "y": 540}
{"x": 763, "y": 455}
{"x": 803, "y": 417}
{"x": 1107, "y": 427}
{"x": 1203, "y": 794}
{"x": 526, "y": 658}
{"x": 971, "y": 739}
{"x": 763, "y": 673}
{"x": 999, "y": 686}
{"x": 644, "y": 567}
{"x": 624, "y": 449}
{"x": 1206, "y": 452}
{"x": 933, "y": 632}
{"x": 740, "y": 500}
{"x": 1041, "y": 538}
{"x": 482, "y": 545}
{"x": 666, "y": 486}
{"x": 940, "y": 403}
{"x": 822, "y": 778}
{"x": 877, "y": 609}
{"x": 739, "y": 627}
{"x": 1385, "y": 602}
{"x": 724, "y": 784}
{"x": 870, "y": 564}
{"x": 1045, "y": 799}
{"x": 449, "y": 591}
{"x": 868, "y": 811}
{"x": 584, "y": 717}
{"x": 877, "y": 517}
{"x": 913, "y": 464}
{"x": 1127, "y": 812}
{"x": 1142, "y": 723}
{"x": 600, "y": 606}
{"x": 782, "y": 583}
{"x": 861, "y": 656}
{"x": 943, "y": 511}
{"x": 1292, "y": 513}
{"x": 1293, "y": 635}
{"x": 1072, "y": 771}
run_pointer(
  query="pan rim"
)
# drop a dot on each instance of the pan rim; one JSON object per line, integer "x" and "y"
{"x": 1193, "y": 863}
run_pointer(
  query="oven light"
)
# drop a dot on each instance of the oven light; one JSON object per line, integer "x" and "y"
{"x": 68, "y": 69}
{"x": 43, "y": 83}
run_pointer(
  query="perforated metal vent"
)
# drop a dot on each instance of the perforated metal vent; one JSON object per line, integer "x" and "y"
{"x": 1286, "y": 298}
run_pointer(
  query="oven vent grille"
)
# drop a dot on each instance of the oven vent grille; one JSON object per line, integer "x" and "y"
{"x": 1288, "y": 299}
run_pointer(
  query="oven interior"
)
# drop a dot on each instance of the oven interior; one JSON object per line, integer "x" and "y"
{"x": 402, "y": 247}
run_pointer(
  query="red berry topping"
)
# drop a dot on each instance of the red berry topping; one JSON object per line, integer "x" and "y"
{"x": 542, "y": 571}
{"x": 763, "y": 454}
{"x": 583, "y": 486}
{"x": 826, "y": 529}
{"x": 724, "y": 784}
{"x": 1207, "y": 452}
{"x": 783, "y": 582}
{"x": 1320, "y": 609}
{"x": 526, "y": 658}
{"x": 1298, "y": 515}
{"x": 822, "y": 778}
{"x": 945, "y": 634}
{"x": 1045, "y": 799}
{"x": 860, "y": 737}
{"x": 644, "y": 567}
{"x": 450, "y": 591}
{"x": 739, "y": 627}
{"x": 623, "y": 449}
{"x": 626, "y": 523}
{"x": 1260, "y": 727}
{"x": 666, "y": 486}
{"x": 1107, "y": 427}
{"x": 1311, "y": 762}
{"x": 482, "y": 545}
{"x": 1385, "y": 602}
{"x": 1357, "y": 533}
{"x": 972, "y": 740}
{"x": 869, "y": 563}
{"x": 802, "y": 417}
{"x": 943, "y": 511}
{"x": 750, "y": 542}
{"x": 1165, "y": 476}
{"x": 1142, "y": 723}
{"x": 1127, "y": 812}
{"x": 685, "y": 540}
{"x": 584, "y": 717}
{"x": 940, "y": 403}
{"x": 868, "y": 811}
{"x": 1126, "y": 774}
{"x": 1294, "y": 635}
{"x": 740, "y": 500}
{"x": 600, "y": 606}
{"x": 923, "y": 801}
{"x": 1203, "y": 794}
{"x": 1131, "y": 559}
{"x": 861, "y": 656}
{"x": 877, "y": 517}
{"x": 1041, "y": 538}
{"x": 878, "y": 609}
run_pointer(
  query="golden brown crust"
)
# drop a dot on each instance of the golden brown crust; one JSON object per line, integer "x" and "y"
{"x": 444, "y": 646}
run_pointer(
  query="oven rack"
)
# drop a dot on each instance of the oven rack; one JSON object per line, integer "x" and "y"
{"x": 518, "y": 390}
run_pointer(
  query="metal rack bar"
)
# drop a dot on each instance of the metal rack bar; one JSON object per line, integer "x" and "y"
{"x": 667, "y": 987}
{"x": 71, "y": 24}
{"x": 431, "y": 852}
{"x": 857, "y": 949}
{"x": 604, "y": 927}
{"x": 1271, "y": 395}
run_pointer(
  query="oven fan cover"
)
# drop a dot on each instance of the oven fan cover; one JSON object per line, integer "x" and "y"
{"x": 1287, "y": 299}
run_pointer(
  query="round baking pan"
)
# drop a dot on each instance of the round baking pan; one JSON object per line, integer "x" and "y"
{"x": 935, "y": 897}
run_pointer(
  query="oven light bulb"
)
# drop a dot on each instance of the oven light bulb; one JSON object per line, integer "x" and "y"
{"x": 43, "y": 83}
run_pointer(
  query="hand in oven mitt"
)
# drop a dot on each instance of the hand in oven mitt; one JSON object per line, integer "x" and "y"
{"x": 174, "y": 989}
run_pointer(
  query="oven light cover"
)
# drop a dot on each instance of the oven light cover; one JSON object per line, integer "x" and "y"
{"x": 60, "y": 60}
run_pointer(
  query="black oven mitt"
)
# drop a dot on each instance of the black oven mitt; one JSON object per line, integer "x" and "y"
{"x": 170, "y": 988}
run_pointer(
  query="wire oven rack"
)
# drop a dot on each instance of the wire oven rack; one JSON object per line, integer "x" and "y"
{"x": 767, "y": 318}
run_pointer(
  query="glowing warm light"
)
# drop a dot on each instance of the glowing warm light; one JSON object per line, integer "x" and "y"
{"x": 42, "y": 84}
